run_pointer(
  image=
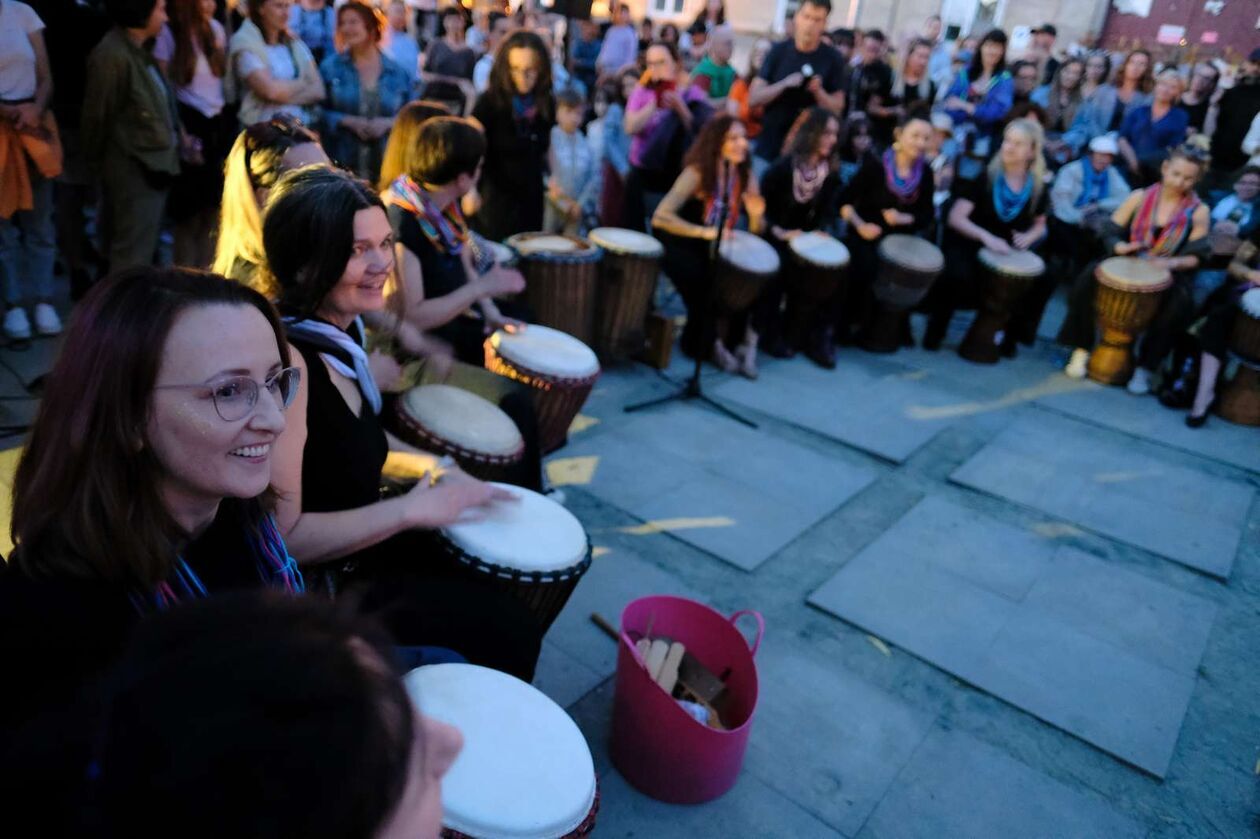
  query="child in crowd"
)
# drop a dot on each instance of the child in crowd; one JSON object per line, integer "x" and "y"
{"x": 714, "y": 74}
{"x": 573, "y": 188}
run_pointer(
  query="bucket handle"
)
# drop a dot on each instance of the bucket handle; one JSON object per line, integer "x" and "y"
{"x": 634, "y": 651}
{"x": 761, "y": 626}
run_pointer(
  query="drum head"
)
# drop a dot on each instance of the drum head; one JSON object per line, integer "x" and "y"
{"x": 619, "y": 240}
{"x": 532, "y": 533}
{"x": 1127, "y": 273}
{"x": 749, "y": 253}
{"x": 502, "y": 253}
{"x": 912, "y": 252}
{"x": 1250, "y": 302}
{"x": 1015, "y": 263}
{"x": 546, "y": 350}
{"x": 820, "y": 249}
{"x": 525, "y": 769}
{"x": 463, "y": 418}
{"x": 550, "y": 246}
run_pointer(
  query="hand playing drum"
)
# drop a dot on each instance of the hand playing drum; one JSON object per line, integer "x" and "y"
{"x": 454, "y": 496}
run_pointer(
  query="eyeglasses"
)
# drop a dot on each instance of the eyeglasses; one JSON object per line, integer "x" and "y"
{"x": 236, "y": 397}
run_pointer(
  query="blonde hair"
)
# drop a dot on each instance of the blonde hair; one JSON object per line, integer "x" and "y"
{"x": 1032, "y": 130}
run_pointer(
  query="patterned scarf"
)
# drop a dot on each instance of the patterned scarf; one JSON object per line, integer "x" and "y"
{"x": 1175, "y": 232}
{"x": 807, "y": 180}
{"x": 725, "y": 200}
{"x": 524, "y": 108}
{"x": 1008, "y": 204}
{"x": 1095, "y": 187}
{"x": 445, "y": 229}
{"x": 905, "y": 189}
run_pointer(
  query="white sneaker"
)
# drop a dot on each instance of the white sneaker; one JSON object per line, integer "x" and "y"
{"x": 46, "y": 320}
{"x": 16, "y": 325}
{"x": 1140, "y": 384}
{"x": 1078, "y": 364}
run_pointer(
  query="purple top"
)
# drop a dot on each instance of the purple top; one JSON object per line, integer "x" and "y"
{"x": 640, "y": 99}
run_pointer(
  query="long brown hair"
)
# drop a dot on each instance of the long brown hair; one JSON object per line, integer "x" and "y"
{"x": 706, "y": 152}
{"x": 193, "y": 34}
{"x": 400, "y": 148}
{"x": 501, "y": 88}
{"x": 1145, "y": 84}
{"x": 86, "y": 500}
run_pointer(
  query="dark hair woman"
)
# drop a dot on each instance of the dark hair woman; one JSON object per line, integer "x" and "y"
{"x": 272, "y": 71}
{"x": 144, "y": 483}
{"x": 517, "y": 112}
{"x": 800, "y": 190}
{"x": 261, "y": 154}
{"x": 191, "y": 51}
{"x": 1104, "y": 108}
{"x": 715, "y": 181}
{"x": 981, "y": 94}
{"x": 891, "y": 193}
{"x": 447, "y": 276}
{"x": 330, "y": 248}
{"x": 280, "y": 687}
{"x": 1168, "y": 225}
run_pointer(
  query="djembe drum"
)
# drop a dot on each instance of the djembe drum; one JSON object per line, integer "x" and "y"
{"x": 559, "y": 368}
{"x": 1240, "y": 398}
{"x": 1128, "y": 297}
{"x": 745, "y": 264}
{"x": 525, "y": 770}
{"x": 474, "y": 431}
{"x": 532, "y": 547}
{"x": 820, "y": 269}
{"x": 561, "y": 273}
{"x": 908, "y": 266}
{"x": 627, "y": 280}
{"x": 1008, "y": 277}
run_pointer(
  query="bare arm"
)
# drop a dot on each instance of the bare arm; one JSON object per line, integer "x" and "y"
{"x": 431, "y": 312}
{"x": 636, "y": 121}
{"x": 763, "y": 93}
{"x": 755, "y": 206}
{"x": 666, "y": 216}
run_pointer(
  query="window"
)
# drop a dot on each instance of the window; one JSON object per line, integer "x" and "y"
{"x": 667, "y": 7}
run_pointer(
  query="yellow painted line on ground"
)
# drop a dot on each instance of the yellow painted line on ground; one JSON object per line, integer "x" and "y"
{"x": 582, "y": 422}
{"x": 1052, "y": 385}
{"x": 879, "y": 645}
{"x": 600, "y": 550}
{"x": 8, "y": 465}
{"x": 662, "y": 525}
{"x": 1056, "y": 530}
{"x": 1122, "y": 477}
{"x": 572, "y": 471}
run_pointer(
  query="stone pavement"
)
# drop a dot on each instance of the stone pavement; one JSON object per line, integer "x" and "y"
{"x": 998, "y": 602}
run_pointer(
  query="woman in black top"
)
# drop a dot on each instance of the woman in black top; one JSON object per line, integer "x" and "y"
{"x": 913, "y": 90}
{"x": 889, "y": 194}
{"x": 1002, "y": 210}
{"x": 448, "y": 278}
{"x": 800, "y": 191}
{"x": 517, "y": 113}
{"x": 144, "y": 484}
{"x": 331, "y": 250}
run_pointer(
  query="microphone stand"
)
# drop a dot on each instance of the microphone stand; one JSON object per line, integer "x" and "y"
{"x": 692, "y": 389}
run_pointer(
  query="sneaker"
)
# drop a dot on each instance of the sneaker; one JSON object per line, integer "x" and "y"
{"x": 1140, "y": 384}
{"x": 16, "y": 325}
{"x": 46, "y": 320}
{"x": 1078, "y": 364}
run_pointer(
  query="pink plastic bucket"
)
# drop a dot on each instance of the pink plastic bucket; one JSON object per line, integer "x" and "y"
{"x": 656, "y": 745}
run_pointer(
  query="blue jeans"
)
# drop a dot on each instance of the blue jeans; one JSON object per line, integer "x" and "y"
{"x": 28, "y": 246}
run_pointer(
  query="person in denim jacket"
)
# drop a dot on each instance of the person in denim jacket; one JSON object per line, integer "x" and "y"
{"x": 366, "y": 89}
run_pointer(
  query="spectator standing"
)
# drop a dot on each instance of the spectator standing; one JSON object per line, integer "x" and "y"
{"x": 913, "y": 87}
{"x": 1060, "y": 100}
{"x": 1150, "y": 131}
{"x": 1197, "y": 100}
{"x": 981, "y": 95}
{"x": 314, "y": 21}
{"x": 585, "y": 53}
{"x": 278, "y": 72}
{"x": 1041, "y": 53}
{"x": 478, "y": 36}
{"x": 714, "y": 74}
{"x": 500, "y": 26}
{"x": 517, "y": 112}
{"x": 573, "y": 183}
{"x": 449, "y": 56}
{"x": 870, "y": 86}
{"x": 365, "y": 90}
{"x": 192, "y": 52}
{"x": 398, "y": 43}
{"x": 737, "y": 103}
{"x": 131, "y": 132}
{"x": 1024, "y": 76}
{"x": 620, "y": 48}
{"x": 615, "y": 148}
{"x": 939, "y": 62}
{"x": 711, "y": 17}
{"x": 29, "y": 132}
{"x": 1097, "y": 71}
{"x": 1239, "y": 106}
{"x": 796, "y": 74}
{"x": 1104, "y": 109}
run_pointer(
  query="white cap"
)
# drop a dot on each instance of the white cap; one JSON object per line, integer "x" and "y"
{"x": 1104, "y": 144}
{"x": 942, "y": 121}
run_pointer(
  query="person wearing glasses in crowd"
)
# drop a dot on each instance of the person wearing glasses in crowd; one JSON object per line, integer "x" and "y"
{"x": 1197, "y": 100}
{"x": 145, "y": 483}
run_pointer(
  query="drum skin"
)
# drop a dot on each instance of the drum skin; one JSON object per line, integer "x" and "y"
{"x": 492, "y": 462}
{"x": 1128, "y": 297}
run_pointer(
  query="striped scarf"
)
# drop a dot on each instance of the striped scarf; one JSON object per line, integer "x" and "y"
{"x": 445, "y": 229}
{"x": 725, "y": 200}
{"x": 1175, "y": 232}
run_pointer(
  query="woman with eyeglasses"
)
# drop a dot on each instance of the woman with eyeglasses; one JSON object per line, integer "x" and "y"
{"x": 330, "y": 249}
{"x": 145, "y": 483}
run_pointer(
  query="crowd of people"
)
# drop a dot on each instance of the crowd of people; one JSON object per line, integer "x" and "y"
{"x": 346, "y": 173}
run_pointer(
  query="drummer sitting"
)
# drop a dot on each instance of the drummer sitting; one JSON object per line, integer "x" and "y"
{"x": 1003, "y": 209}
{"x": 1166, "y": 224}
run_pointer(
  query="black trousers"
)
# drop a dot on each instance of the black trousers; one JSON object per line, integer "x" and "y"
{"x": 686, "y": 263}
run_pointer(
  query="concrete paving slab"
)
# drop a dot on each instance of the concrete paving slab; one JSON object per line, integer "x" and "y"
{"x": 563, "y": 677}
{"x": 1115, "y": 408}
{"x": 1067, "y": 469}
{"x": 738, "y": 493}
{"x": 957, "y": 785}
{"x": 1098, "y": 650}
{"x": 825, "y": 738}
{"x": 881, "y": 414}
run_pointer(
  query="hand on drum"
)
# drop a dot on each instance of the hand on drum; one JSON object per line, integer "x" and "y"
{"x": 896, "y": 218}
{"x": 1024, "y": 240}
{"x": 453, "y": 496}
{"x": 1127, "y": 248}
{"x": 870, "y": 231}
{"x": 995, "y": 244}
